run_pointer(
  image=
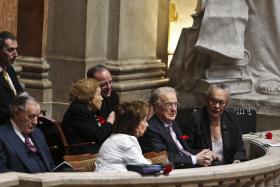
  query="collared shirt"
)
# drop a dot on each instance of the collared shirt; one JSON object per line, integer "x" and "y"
{"x": 194, "y": 160}
{"x": 19, "y": 133}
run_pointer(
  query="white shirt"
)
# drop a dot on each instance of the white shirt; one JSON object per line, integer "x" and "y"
{"x": 19, "y": 133}
{"x": 117, "y": 151}
{"x": 217, "y": 147}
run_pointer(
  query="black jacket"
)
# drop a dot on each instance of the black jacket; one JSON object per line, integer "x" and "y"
{"x": 80, "y": 126}
{"x": 6, "y": 93}
{"x": 200, "y": 137}
{"x": 158, "y": 138}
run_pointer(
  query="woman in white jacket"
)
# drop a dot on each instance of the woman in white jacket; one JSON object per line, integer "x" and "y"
{"x": 122, "y": 146}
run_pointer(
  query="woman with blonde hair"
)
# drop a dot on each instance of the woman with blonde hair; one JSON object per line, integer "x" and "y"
{"x": 81, "y": 123}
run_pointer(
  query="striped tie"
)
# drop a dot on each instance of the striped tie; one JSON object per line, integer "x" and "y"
{"x": 6, "y": 76}
{"x": 176, "y": 141}
{"x": 29, "y": 145}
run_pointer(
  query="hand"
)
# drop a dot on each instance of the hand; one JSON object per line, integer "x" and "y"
{"x": 204, "y": 157}
{"x": 111, "y": 118}
{"x": 236, "y": 161}
{"x": 214, "y": 155}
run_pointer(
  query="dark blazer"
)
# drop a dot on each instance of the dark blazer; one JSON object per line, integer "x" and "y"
{"x": 80, "y": 126}
{"x": 158, "y": 138}
{"x": 109, "y": 104}
{"x": 200, "y": 137}
{"x": 13, "y": 155}
{"x": 6, "y": 93}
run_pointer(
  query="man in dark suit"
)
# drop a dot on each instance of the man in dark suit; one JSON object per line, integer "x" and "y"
{"x": 164, "y": 134}
{"x": 215, "y": 128}
{"x": 9, "y": 84}
{"x": 22, "y": 146}
{"x": 110, "y": 97}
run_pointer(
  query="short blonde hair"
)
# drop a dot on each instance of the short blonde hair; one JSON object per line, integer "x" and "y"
{"x": 83, "y": 90}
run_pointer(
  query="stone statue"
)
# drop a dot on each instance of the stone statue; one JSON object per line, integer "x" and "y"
{"x": 262, "y": 38}
{"x": 230, "y": 40}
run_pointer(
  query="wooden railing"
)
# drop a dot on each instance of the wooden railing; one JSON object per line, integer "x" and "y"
{"x": 262, "y": 171}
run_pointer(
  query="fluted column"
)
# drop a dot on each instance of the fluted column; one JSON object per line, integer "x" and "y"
{"x": 32, "y": 36}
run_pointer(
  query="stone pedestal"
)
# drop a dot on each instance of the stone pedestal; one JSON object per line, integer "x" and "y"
{"x": 236, "y": 86}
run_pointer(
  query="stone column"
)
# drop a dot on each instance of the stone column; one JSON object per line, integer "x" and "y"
{"x": 131, "y": 48}
{"x": 32, "y": 35}
{"x": 121, "y": 34}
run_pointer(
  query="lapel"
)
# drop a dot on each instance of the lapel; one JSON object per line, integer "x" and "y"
{"x": 5, "y": 83}
{"x": 166, "y": 134}
{"x": 164, "y": 131}
{"x": 36, "y": 140}
{"x": 225, "y": 128}
{"x": 178, "y": 133}
{"x": 18, "y": 146}
{"x": 205, "y": 126}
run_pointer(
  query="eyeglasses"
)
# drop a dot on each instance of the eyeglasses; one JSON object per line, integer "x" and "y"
{"x": 106, "y": 84}
{"x": 213, "y": 101}
{"x": 170, "y": 105}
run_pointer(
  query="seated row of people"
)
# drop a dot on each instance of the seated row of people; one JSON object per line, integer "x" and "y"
{"x": 214, "y": 138}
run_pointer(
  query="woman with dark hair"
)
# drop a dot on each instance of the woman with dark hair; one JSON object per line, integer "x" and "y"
{"x": 122, "y": 146}
{"x": 81, "y": 123}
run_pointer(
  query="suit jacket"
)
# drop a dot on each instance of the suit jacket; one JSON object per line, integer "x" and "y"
{"x": 80, "y": 126}
{"x": 6, "y": 93}
{"x": 158, "y": 138}
{"x": 13, "y": 155}
{"x": 109, "y": 104}
{"x": 200, "y": 136}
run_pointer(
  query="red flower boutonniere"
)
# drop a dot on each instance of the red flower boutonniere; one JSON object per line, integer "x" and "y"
{"x": 268, "y": 135}
{"x": 167, "y": 168}
{"x": 184, "y": 137}
{"x": 100, "y": 120}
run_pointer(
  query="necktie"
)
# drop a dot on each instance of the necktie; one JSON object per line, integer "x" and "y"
{"x": 176, "y": 141}
{"x": 29, "y": 145}
{"x": 6, "y": 76}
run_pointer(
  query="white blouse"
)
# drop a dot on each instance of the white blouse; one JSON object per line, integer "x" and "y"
{"x": 117, "y": 151}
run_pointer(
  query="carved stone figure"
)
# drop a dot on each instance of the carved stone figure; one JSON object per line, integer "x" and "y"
{"x": 230, "y": 41}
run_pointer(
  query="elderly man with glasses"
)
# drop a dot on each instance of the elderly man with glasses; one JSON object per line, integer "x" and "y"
{"x": 164, "y": 134}
{"x": 215, "y": 128}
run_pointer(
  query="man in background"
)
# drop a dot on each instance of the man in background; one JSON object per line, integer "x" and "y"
{"x": 9, "y": 84}
{"x": 110, "y": 97}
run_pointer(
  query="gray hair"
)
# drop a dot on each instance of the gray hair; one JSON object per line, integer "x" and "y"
{"x": 19, "y": 103}
{"x": 217, "y": 86}
{"x": 158, "y": 92}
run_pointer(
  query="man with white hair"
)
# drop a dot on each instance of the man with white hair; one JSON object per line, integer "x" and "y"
{"x": 23, "y": 147}
{"x": 164, "y": 134}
